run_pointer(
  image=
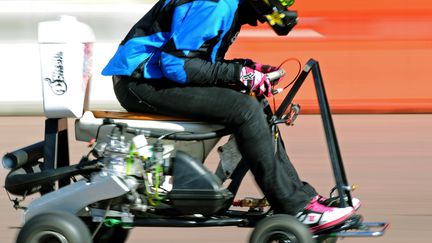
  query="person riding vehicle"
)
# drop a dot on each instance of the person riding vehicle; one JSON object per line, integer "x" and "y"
{"x": 172, "y": 62}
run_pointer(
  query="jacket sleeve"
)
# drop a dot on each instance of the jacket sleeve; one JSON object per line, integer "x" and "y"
{"x": 190, "y": 55}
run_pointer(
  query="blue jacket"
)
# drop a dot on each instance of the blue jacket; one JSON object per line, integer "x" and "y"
{"x": 182, "y": 40}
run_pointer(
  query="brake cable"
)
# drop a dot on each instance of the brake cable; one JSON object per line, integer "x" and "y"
{"x": 279, "y": 90}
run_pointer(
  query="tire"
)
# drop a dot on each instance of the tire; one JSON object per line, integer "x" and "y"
{"x": 55, "y": 227}
{"x": 281, "y": 228}
{"x": 111, "y": 235}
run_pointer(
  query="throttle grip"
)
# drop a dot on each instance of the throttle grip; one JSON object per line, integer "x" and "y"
{"x": 275, "y": 75}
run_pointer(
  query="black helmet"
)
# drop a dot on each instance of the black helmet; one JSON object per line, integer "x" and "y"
{"x": 276, "y": 14}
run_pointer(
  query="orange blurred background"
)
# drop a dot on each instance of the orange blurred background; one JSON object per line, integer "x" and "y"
{"x": 374, "y": 55}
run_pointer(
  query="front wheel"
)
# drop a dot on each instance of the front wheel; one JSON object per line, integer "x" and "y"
{"x": 58, "y": 227}
{"x": 280, "y": 228}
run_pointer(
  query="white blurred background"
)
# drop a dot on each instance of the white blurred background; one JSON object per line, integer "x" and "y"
{"x": 20, "y": 84}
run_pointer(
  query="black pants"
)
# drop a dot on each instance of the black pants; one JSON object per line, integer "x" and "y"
{"x": 274, "y": 174}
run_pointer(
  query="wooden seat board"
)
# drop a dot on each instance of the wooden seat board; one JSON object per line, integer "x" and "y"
{"x": 136, "y": 116}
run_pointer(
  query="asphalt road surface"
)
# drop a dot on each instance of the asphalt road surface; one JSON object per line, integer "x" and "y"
{"x": 388, "y": 156}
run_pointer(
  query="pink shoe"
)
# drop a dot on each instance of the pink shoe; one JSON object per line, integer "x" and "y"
{"x": 334, "y": 202}
{"x": 319, "y": 217}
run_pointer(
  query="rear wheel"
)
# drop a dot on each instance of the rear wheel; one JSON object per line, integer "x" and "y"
{"x": 55, "y": 227}
{"x": 281, "y": 228}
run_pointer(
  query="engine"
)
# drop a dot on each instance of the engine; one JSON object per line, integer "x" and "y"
{"x": 160, "y": 178}
{"x": 145, "y": 168}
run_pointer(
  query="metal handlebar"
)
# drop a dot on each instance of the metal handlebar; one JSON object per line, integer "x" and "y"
{"x": 275, "y": 75}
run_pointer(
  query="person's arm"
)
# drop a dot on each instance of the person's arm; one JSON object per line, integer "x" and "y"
{"x": 189, "y": 56}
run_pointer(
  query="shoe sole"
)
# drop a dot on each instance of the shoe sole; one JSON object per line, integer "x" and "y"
{"x": 331, "y": 224}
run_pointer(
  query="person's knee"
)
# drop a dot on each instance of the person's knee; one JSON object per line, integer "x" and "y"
{"x": 246, "y": 109}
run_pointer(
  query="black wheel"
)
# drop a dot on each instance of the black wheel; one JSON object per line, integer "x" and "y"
{"x": 111, "y": 235}
{"x": 55, "y": 227}
{"x": 281, "y": 228}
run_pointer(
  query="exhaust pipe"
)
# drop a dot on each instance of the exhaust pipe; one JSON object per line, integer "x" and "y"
{"x": 20, "y": 157}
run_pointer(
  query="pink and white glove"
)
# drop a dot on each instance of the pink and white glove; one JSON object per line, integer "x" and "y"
{"x": 255, "y": 81}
